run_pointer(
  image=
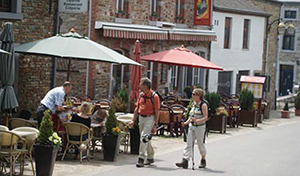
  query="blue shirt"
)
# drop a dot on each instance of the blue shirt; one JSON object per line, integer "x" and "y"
{"x": 53, "y": 98}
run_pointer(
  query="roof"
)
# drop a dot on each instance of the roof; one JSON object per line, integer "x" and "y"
{"x": 239, "y": 6}
{"x": 253, "y": 79}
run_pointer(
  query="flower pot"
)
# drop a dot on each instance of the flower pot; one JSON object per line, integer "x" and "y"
{"x": 135, "y": 141}
{"x": 45, "y": 157}
{"x": 248, "y": 117}
{"x": 217, "y": 123}
{"x": 285, "y": 114}
{"x": 297, "y": 112}
{"x": 111, "y": 145}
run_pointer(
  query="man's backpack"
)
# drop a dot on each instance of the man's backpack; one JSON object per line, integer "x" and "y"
{"x": 152, "y": 97}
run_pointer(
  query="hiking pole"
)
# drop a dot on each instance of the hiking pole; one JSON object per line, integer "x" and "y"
{"x": 193, "y": 152}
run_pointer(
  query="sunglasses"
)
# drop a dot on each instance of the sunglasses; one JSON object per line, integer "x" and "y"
{"x": 194, "y": 94}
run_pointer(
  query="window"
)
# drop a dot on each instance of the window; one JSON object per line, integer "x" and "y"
{"x": 288, "y": 42}
{"x": 150, "y": 70}
{"x": 11, "y": 9}
{"x": 5, "y": 5}
{"x": 227, "y": 32}
{"x": 179, "y": 9}
{"x": 198, "y": 73}
{"x": 174, "y": 72}
{"x": 291, "y": 14}
{"x": 153, "y": 9}
{"x": 246, "y": 34}
{"x": 122, "y": 6}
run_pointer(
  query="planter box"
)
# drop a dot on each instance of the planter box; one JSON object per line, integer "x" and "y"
{"x": 111, "y": 145}
{"x": 248, "y": 117}
{"x": 45, "y": 157}
{"x": 297, "y": 112}
{"x": 135, "y": 141}
{"x": 217, "y": 123}
{"x": 285, "y": 114}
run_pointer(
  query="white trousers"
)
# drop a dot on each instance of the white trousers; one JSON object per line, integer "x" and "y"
{"x": 194, "y": 133}
{"x": 146, "y": 125}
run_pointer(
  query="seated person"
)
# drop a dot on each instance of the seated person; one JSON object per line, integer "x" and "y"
{"x": 99, "y": 117}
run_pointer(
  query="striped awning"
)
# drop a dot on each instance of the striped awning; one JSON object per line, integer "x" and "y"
{"x": 144, "y": 32}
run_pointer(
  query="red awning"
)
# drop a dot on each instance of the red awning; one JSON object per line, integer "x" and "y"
{"x": 253, "y": 79}
{"x": 143, "y": 35}
{"x": 182, "y": 57}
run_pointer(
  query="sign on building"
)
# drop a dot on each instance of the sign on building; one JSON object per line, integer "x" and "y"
{"x": 255, "y": 84}
{"x": 73, "y": 6}
{"x": 202, "y": 12}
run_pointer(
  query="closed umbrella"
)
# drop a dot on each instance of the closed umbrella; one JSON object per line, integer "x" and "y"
{"x": 136, "y": 73}
{"x": 8, "y": 100}
{"x": 3, "y": 52}
{"x": 73, "y": 45}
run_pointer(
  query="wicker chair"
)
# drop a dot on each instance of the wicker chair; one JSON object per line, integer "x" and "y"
{"x": 9, "y": 153}
{"x": 170, "y": 100}
{"x": 18, "y": 122}
{"x": 30, "y": 140}
{"x": 3, "y": 128}
{"x": 166, "y": 122}
{"x": 178, "y": 115}
{"x": 78, "y": 130}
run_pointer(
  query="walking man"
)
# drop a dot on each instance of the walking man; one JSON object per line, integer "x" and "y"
{"x": 53, "y": 100}
{"x": 147, "y": 110}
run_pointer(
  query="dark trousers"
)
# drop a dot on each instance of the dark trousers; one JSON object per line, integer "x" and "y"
{"x": 40, "y": 114}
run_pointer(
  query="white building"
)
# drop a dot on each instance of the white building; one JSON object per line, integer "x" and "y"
{"x": 241, "y": 30}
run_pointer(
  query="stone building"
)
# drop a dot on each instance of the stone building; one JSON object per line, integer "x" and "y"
{"x": 289, "y": 47}
{"x": 158, "y": 24}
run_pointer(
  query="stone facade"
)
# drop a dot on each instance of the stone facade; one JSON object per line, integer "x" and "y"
{"x": 268, "y": 66}
{"x": 290, "y": 58}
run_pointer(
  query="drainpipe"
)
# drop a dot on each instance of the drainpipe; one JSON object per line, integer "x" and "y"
{"x": 54, "y": 59}
{"x": 88, "y": 62}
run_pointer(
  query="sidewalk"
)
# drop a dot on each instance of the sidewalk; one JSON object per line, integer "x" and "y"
{"x": 162, "y": 145}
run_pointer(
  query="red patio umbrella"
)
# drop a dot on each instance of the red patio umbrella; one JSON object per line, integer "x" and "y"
{"x": 136, "y": 73}
{"x": 182, "y": 57}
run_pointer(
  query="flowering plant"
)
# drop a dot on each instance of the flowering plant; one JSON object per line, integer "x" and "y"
{"x": 55, "y": 139}
{"x": 116, "y": 131}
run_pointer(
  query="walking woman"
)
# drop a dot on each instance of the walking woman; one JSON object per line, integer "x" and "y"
{"x": 196, "y": 121}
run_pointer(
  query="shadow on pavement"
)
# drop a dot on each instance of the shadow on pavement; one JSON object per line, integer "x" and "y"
{"x": 212, "y": 171}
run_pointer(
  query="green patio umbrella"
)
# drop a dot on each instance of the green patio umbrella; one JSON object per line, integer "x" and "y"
{"x": 8, "y": 100}
{"x": 73, "y": 45}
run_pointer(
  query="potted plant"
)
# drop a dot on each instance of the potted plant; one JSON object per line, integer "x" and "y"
{"x": 247, "y": 114}
{"x": 111, "y": 139}
{"x": 188, "y": 91}
{"x": 297, "y": 104}
{"x": 285, "y": 113}
{"x": 135, "y": 138}
{"x": 46, "y": 147}
{"x": 217, "y": 119}
{"x": 120, "y": 101}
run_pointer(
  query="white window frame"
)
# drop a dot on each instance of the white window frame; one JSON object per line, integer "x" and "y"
{"x": 122, "y": 5}
{"x": 174, "y": 75}
{"x": 150, "y": 71}
{"x": 17, "y": 11}
{"x": 290, "y": 9}
{"x": 296, "y": 35}
{"x": 153, "y": 6}
{"x": 249, "y": 31}
{"x": 178, "y": 7}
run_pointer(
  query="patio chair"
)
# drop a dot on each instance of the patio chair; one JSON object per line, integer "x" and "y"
{"x": 30, "y": 140}
{"x": 125, "y": 132}
{"x": 177, "y": 118}
{"x": 104, "y": 103}
{"x": 79, "y": 137}
{"x": 18, "y": 122}
{"x": 25, "y": 114}
{"x": 170, "y": 100}
{"x": 4, "y": 128}
{"x": 166, "y": 120}
{"x": 233, "y": 115}
{"x": 9, "y": 153}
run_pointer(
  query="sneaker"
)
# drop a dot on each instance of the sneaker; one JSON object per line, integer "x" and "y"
{"x": 202, "y": 163}
{"x": 140, "y": 163}
{"x": 149, "y": 161}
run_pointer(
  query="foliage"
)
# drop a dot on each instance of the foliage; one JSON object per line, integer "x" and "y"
{"x": 119, "y": 105}
{"x": 214, "y": 100}
{"x": 187, "y": 89}
{"x": 246, "y": 99}
{"x": 286, "y": 106}
{"x": 189, "y": 107}
{"x": 116, "y": 131}
{"x": 297, "y": 101}
{"x": 111, "y": 121}
{"x": 123, "y": 95}
{"x": 221, "y": 112}
{"x": 46, "y": 135}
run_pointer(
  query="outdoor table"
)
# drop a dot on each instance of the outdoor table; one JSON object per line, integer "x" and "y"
{"x": 125, "y": 118}
{"x": 24, "y": 134}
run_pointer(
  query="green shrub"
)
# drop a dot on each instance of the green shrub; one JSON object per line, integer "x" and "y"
{"x": 297, "y": 101}
{"x": 286, "y": 106}
{"x": 214, "y": 100}
{"x": 246, "y": 99}
{"x": 123, "y": 95}
{"x": 187, "y": 89}
{"x": 46, "y": 129}
{"x": 111, "y": 121}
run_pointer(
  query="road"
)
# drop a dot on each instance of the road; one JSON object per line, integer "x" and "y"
{"x": 270, "y": 152}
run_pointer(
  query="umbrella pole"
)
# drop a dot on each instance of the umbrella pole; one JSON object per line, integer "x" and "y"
{"x": 69, "y": 70}
{"x": 178, "y": 76}
{"x": 6, "y": 120}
